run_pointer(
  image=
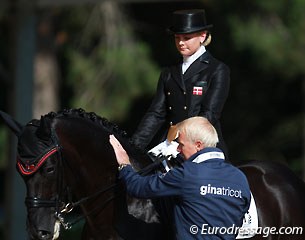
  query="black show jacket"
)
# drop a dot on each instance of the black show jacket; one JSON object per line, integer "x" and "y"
{"x": 177, "y": 97}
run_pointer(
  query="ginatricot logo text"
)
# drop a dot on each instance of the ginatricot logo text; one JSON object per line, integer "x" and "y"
{"x": 209, "y": 189}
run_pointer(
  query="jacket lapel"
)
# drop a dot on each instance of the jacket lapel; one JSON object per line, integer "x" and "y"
{"x": 177, "y": 75}
{"x": 200, "y": 64}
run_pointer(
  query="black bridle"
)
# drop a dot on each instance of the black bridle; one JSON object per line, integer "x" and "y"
{"x": 61, "y": 207}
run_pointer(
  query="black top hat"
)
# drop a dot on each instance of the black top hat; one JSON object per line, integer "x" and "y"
{"x": 189, "y": 21}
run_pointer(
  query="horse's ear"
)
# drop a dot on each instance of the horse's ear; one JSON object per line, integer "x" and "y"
{"x": 15, "y": 126}
{"x": 44, "y": 129}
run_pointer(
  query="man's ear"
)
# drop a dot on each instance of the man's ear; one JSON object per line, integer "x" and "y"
{"x": 199, "y": 145}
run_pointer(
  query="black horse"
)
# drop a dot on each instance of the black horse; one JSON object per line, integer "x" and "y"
{"x": 67, "y": 162}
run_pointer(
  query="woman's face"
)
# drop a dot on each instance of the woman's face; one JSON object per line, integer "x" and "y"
{"x": 188, "y": 44}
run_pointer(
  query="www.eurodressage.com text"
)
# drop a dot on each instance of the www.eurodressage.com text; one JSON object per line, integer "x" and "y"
{"x": 264, "y": 231}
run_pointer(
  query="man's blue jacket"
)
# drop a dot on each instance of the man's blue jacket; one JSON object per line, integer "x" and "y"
{"x": 210, "y": 195}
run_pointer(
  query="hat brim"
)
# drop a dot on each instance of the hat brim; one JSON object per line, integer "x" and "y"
{"x": 174, "y": 30}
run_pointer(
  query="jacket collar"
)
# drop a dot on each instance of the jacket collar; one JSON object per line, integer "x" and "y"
{"x": 207, "y": 154}
{"x": 197, "y": 66}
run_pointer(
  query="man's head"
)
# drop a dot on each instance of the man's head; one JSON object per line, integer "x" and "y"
{"x": 195, "y": 134}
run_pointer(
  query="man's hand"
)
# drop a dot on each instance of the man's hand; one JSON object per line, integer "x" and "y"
{"x": 120, "y": 153}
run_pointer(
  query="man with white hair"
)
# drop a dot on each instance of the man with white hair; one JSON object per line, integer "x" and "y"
{"x": 207, "y": 193}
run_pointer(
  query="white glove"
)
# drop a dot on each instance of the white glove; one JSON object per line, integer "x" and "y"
{"x": 171, "y": 149}
{"x": 166, "y": 148}
{"x": 157, "y": 150}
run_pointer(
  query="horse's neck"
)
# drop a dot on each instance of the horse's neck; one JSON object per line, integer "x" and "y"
{"x": 88, "y": 150}
{"x": 86, "y": 153}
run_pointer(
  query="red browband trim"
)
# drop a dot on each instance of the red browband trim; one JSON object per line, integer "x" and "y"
{"x": 30, "y": 169}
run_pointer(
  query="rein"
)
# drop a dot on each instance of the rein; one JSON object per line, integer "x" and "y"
{"x": 67, "y": 208}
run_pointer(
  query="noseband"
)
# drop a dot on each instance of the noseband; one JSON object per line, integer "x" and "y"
{"x": 58, "y": 202}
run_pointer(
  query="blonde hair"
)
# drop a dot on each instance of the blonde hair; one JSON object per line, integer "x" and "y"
{"x": 207, "y": 40}
{"x": 199, "y": 129}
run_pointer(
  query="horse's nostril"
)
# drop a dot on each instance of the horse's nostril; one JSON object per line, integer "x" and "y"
{"x": 44, "y": 235}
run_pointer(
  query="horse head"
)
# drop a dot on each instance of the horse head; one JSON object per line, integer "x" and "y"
{"x": 67, "y": 155}
{"x": 36, "y": 163}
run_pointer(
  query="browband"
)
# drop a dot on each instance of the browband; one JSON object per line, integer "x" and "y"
{"x": 28, "y": 169}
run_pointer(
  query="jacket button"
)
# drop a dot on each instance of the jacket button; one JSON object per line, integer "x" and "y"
{"x": 169, "y": 108}
{"x": 168, "y": 93}
{"x": 185, "y": 108}
{"x": 184, "y": 93}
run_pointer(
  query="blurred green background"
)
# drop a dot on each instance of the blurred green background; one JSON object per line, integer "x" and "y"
{"x": 106, "y": 56}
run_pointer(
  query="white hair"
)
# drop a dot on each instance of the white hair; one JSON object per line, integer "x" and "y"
{"x": 199, "y": 129}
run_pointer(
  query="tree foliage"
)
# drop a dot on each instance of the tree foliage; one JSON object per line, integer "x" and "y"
{"x": 110, "y": 67}
{"x": 267, "y": 40}
{"x": 274, "y": 34}
{"x": 107, "y": 66}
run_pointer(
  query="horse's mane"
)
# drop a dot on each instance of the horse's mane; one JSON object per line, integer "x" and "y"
{"x": 90, "y": 116}
{"x": 93, "y": 118}
{"x": 133, "y": 150}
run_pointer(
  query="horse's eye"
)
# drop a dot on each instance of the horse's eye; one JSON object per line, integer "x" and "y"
{"x": 50, "y": 170}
